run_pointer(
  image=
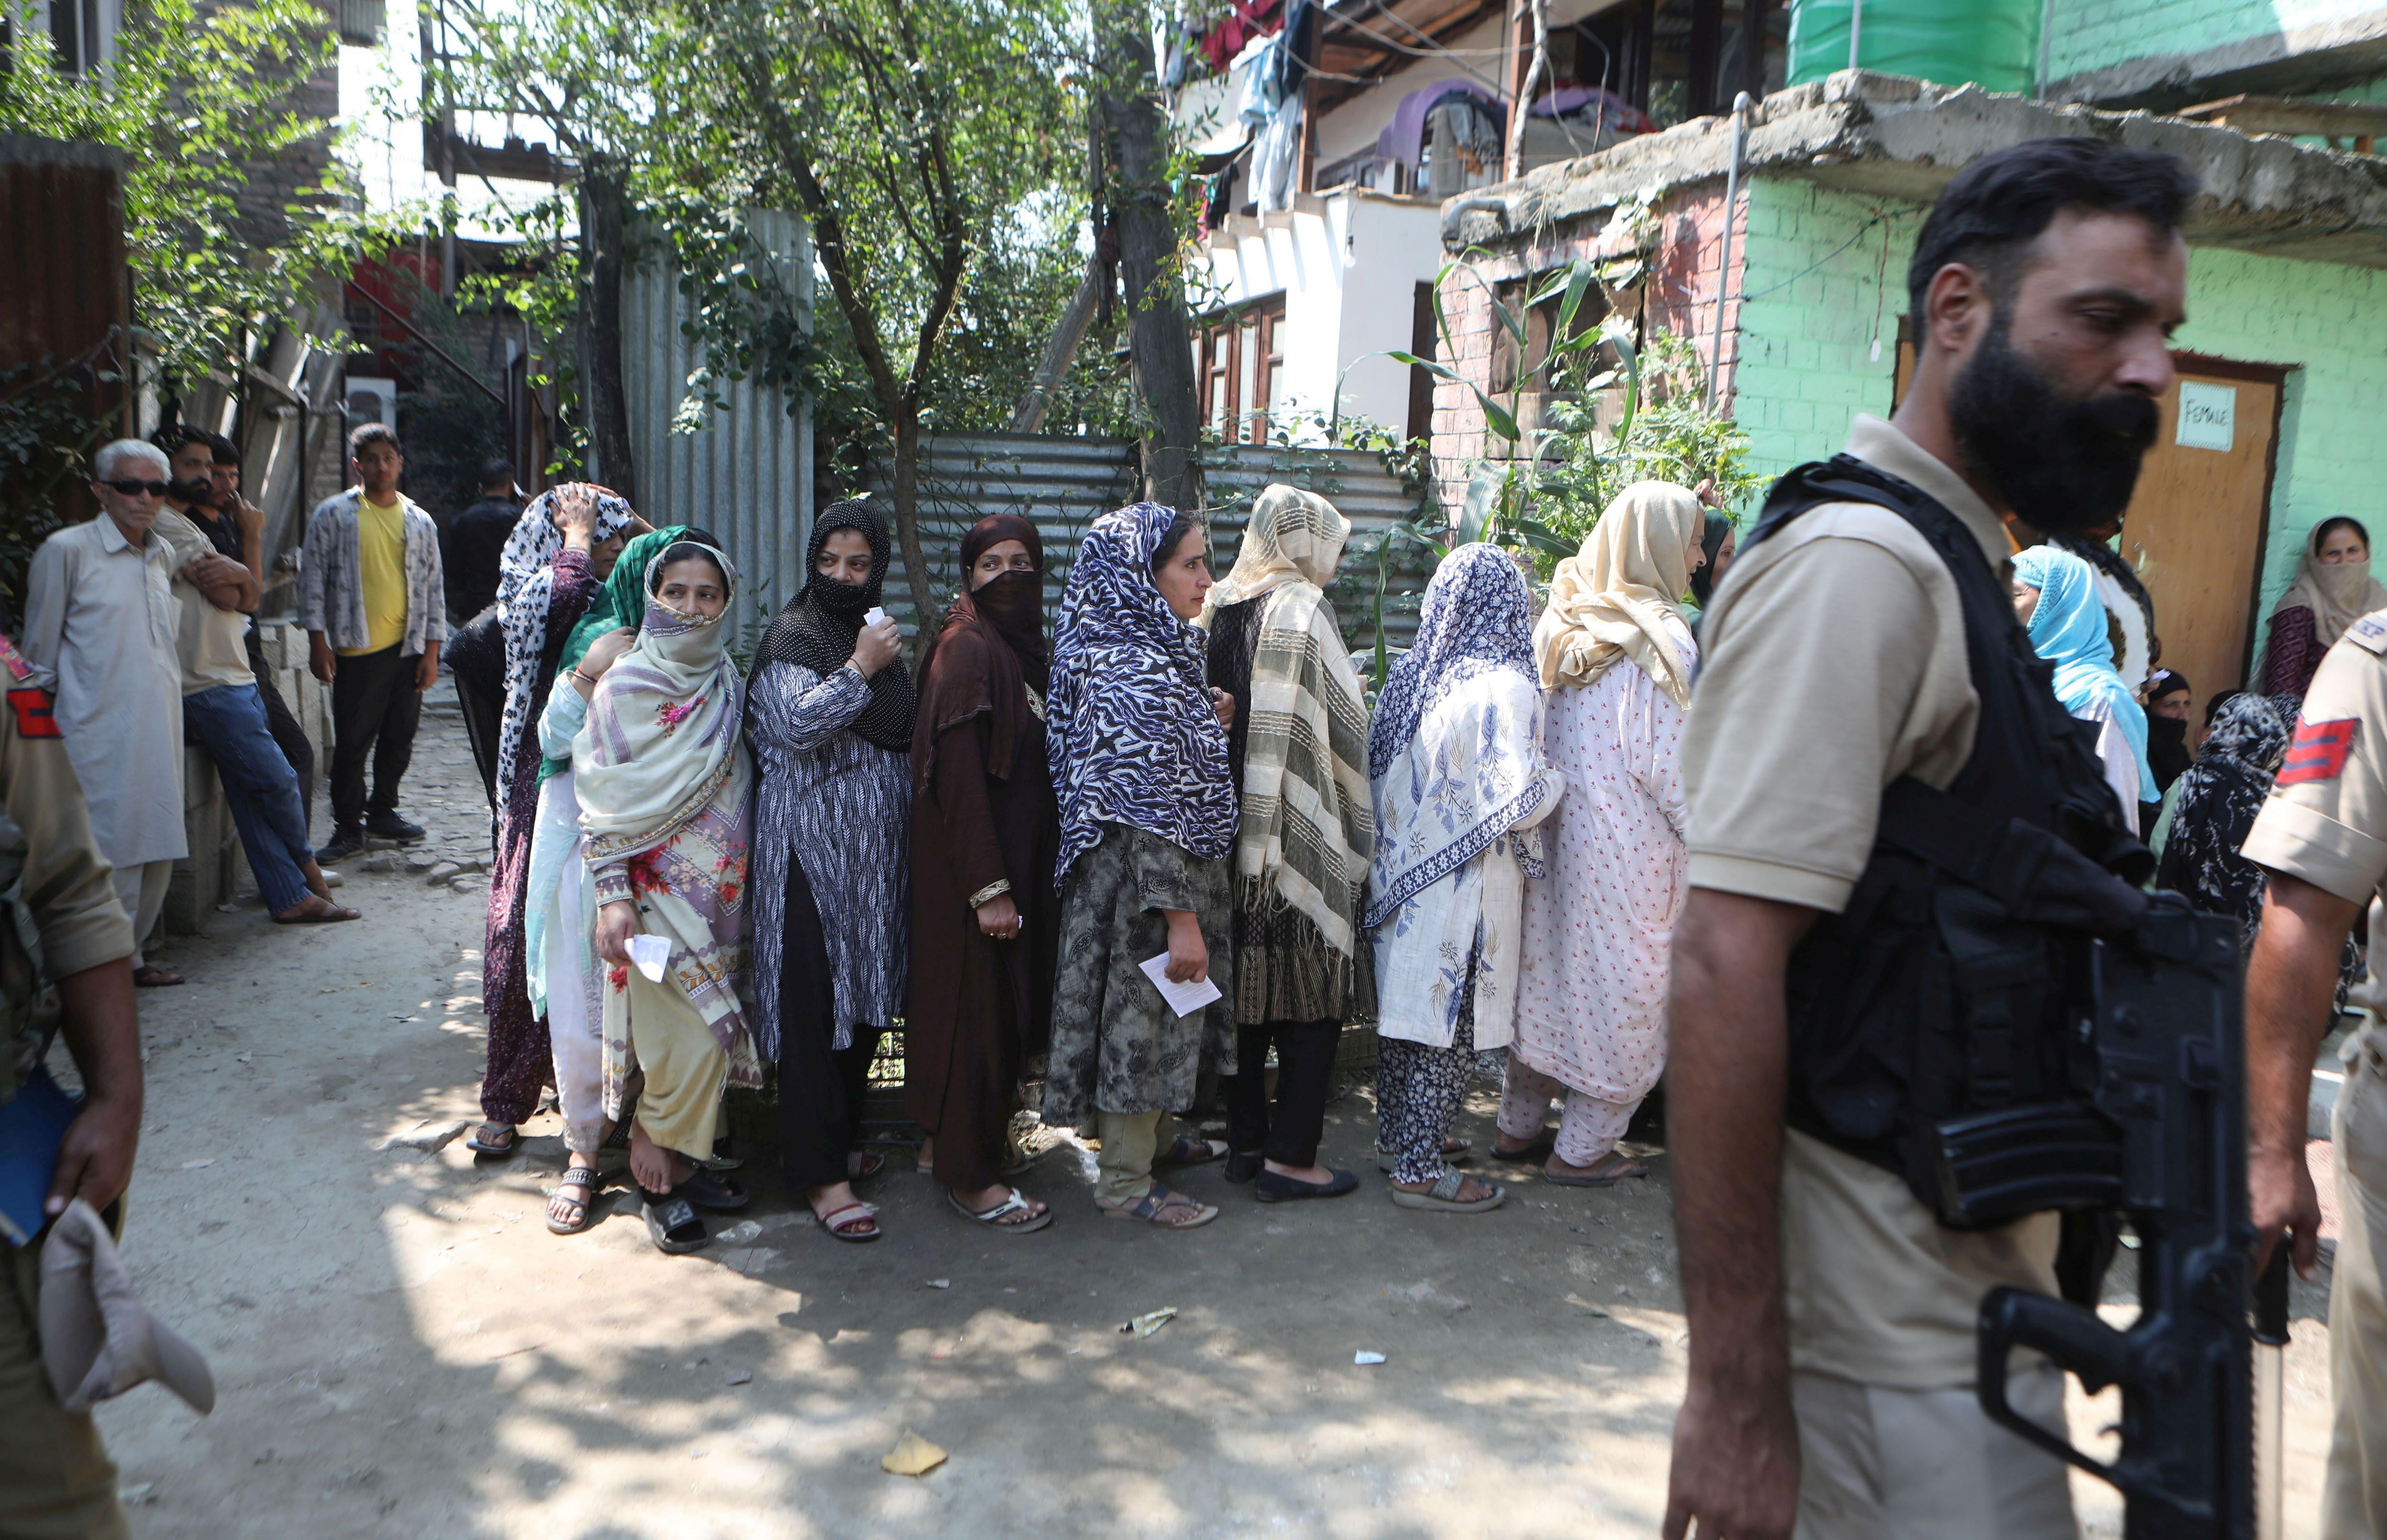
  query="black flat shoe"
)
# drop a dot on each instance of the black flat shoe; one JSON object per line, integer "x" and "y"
{"x": 1242, "y": 1167}
{"x": 1271, "y": 1188}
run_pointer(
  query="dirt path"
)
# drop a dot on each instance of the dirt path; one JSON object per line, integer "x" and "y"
{"x": 402, "y": 1349}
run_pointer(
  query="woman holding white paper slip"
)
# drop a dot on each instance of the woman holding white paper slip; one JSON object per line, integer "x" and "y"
{"x": 828, "y": 713}
{"x": 1455, "y": 754}
{"x": 665, "y": 791}
{"x": 1138, "y": 744}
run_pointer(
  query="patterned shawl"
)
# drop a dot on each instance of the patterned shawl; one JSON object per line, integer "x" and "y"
{"x": 1454, "y": 780}
{"x": 816, "y": 629}
{"x": 620, "y": 602}
{"x": 1616, "y": 598}
{"x": 1473, "y": 620}
{"x": 2068, "y": 629}
{"x": 2219, "y": 796}
{"x": 526, "y": 581}
{"x": 663, "y": 731}
{"x": 1130, "y": 726}
{"x": 1307, "y": 828}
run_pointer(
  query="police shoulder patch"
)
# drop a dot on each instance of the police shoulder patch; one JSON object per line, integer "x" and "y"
{"x": 2370, "y": 633}
{"x": 2318, "y": 751}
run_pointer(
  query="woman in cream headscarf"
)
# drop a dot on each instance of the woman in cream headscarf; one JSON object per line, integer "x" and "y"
{"x": 1299, "y": 750}
{"x": 1616, "y": 658}
{"x": 2333, "y": 589}
{"x": 665, "y": 791}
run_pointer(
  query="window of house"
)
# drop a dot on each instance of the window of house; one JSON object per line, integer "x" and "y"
{"x": 1541, "y": 323}
{"x": 1239, "y": 369}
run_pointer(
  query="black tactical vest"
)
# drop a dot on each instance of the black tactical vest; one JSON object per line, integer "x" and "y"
{"x": 1953, "y": 983}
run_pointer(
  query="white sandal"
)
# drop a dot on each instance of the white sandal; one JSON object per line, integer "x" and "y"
{"x": 998, "y": 1217}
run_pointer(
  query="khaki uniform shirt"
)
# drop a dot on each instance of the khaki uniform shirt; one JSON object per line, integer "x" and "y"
{"x": 1834, "y": 664}
{"x": 63, "y": 883}
{"x": 212, "y": 643}
{"x": 2326, "y": 819}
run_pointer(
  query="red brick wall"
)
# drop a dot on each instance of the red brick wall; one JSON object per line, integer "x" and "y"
{"x": 1679, "y": 293}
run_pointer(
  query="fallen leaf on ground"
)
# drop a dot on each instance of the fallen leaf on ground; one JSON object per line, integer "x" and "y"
{"x": 913, "y": 1456}
{"x": 1579, "y": 1301}
{"x": 1150, "y": 1321}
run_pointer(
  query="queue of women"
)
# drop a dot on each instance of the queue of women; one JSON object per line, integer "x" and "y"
{"x": 709, "y": 878}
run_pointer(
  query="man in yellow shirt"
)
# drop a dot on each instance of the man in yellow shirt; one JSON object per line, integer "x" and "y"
{"x": 372, "y": 597}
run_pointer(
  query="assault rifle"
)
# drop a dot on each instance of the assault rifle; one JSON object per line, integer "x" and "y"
{"x": 2157, "y": 1133}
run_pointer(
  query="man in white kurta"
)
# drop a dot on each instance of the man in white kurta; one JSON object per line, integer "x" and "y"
{"x": 99, "y": 630}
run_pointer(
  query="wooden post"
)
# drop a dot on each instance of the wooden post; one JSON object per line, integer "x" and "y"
{"x": 1521, "y": 58}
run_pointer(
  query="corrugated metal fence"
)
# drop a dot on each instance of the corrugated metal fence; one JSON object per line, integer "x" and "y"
{"x": 747, "y": 476}
{"x": 1061, "y": 485}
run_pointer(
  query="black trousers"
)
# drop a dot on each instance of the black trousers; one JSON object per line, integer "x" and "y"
{"x": 821, "y": 1087}
{"x": 374, "y": 709}
{"x": 288, "y": 736}
{"x": 1305, "y": 1073}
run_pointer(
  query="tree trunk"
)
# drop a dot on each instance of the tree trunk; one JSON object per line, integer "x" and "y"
{"x": 1159, "y": 340}
{"x": 603, "y": 194}
{"x": 927, "y": 620}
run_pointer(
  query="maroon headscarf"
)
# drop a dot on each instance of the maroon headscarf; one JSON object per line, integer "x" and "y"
{"x": 992, "y": 646}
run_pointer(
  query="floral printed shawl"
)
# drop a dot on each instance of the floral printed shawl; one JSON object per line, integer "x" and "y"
{"x": 526, "y": 580}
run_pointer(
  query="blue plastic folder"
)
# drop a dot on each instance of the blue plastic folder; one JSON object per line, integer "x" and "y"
{"x": 30, "y": 1128}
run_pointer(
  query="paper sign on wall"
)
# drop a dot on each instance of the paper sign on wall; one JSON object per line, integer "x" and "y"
{"x": 2209, "y": 416}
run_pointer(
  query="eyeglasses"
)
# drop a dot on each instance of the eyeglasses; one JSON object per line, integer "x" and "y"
{"x": 134, "y": 488}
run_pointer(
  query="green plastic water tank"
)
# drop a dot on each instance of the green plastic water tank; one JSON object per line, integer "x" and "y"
{"x": 1990, "y": 42}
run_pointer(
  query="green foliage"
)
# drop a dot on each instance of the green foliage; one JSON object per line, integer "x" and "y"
{"x": 48, "y": 436}
{"x": 198, "y": 102}
{"x": 1621, "y": 409}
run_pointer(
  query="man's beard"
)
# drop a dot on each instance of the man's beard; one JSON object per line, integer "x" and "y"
{"x": 193, "y": 494}
{"x": 2062, "y": 465}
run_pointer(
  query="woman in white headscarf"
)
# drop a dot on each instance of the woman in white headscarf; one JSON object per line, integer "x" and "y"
{"x": 1615, "y": 657}
{"x": 665, "y": 790}
{"x": 1299, "y": 753}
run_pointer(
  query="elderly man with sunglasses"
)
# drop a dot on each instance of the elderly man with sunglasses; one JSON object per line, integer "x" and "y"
{"x": 100, "y": 630}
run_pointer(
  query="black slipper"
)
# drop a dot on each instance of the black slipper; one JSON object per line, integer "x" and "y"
{"x": 711, "y": 1189}
{"x": 672, "y": 1223}
{"x": 1269, "y": 1187}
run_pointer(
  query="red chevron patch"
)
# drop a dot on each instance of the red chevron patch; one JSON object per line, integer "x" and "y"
{"x": 2318, "y": 752}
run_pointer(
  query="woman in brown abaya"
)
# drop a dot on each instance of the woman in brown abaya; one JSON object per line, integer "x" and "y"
{"x": 985, "y": 835}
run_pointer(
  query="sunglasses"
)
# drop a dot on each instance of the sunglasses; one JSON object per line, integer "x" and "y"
{"x": 134, "y": 488}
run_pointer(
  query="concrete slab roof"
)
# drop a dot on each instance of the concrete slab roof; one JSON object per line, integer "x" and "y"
{"x": 1893, "y": 136}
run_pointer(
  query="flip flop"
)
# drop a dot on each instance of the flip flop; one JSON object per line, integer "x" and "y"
{"x": 479, "y": 1145}
{"x": 584, "y": 1178}
{"x": 855, "y": 1213}
{"x": 1158, "y": 1200}
{"x": 1625, "y": 1169}
{"x": 873, "y": 1164}
{"x": 1443, "y": 1196}
{"x": 996, "y": 1218}
{"x": 337, "y": 915}
{"x": 1539, "y": 1149}
{"x": 672, "y": 1223}
{"x": 152, "y": 977}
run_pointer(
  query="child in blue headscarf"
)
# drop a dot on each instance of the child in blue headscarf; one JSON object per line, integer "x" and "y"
{"x": 2055, "y": 597}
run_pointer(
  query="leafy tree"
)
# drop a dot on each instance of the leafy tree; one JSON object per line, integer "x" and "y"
{"x": 201, "y": 102}
{"x": 914, "y": 135}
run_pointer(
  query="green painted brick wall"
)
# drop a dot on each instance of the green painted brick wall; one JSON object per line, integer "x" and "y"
{"x": 1825, "y": 272}
{"x": 2094, "y": 34}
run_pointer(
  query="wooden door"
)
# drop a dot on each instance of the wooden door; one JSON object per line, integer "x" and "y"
{"x": 2196, "y": 530}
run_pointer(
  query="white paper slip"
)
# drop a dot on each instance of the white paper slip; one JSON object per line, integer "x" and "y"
{"x": 1184, "y": 999}
{"x": 652, "y": 954}
{"x": 873, "y": 615}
